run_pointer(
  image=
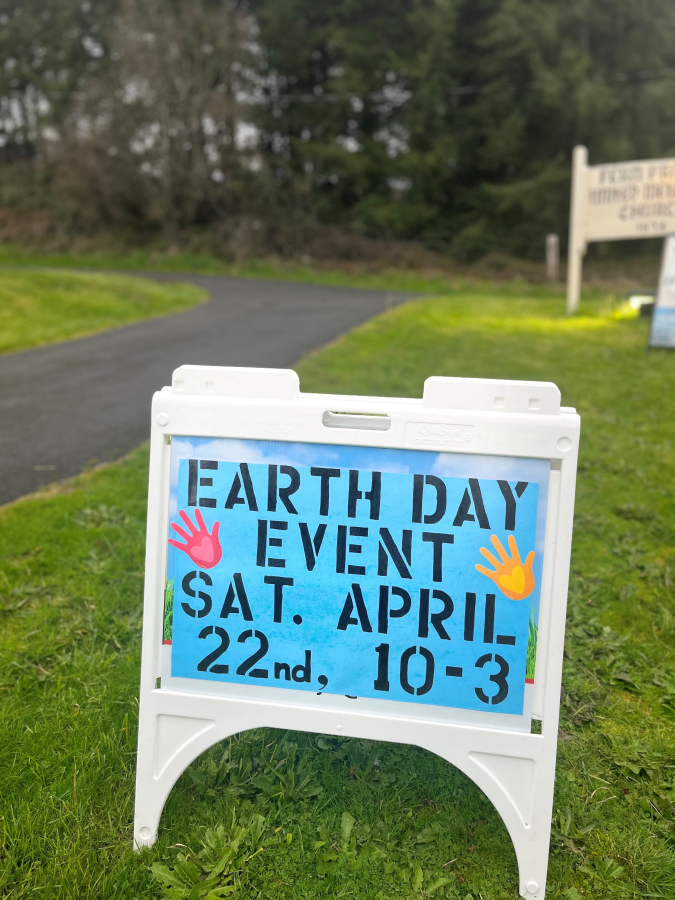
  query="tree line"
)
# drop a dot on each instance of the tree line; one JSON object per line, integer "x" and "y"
{"x": 449, "y": 122}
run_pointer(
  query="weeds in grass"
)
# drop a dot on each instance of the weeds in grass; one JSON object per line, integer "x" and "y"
{"x": 403, "y": 858}
{"x": 225, "y": 777}
{"x": 222, "y": 867}
{"x": 288, "y": 778}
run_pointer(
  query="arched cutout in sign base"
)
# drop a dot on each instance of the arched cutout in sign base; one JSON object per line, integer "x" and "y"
{"x": 351, "y": 536}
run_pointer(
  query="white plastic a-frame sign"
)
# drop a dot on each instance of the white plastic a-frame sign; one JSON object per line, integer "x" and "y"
{"x": 390, "y": 569}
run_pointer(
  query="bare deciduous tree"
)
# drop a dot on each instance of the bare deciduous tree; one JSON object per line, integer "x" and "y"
{"x": 162, "y": 134}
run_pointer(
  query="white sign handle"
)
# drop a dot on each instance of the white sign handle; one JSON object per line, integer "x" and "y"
{"x": 577, "y": 243}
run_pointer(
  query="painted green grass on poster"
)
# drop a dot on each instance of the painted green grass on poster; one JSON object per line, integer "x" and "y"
{"x": 531, "y": 649}
{"x": 168, "y": 610}
{"x": 355, "y": 818}
{"x": 40, "y": 307}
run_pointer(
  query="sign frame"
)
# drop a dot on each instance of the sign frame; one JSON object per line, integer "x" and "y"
{"x": 618, "y": 201}
{"x": 514, "y": 768}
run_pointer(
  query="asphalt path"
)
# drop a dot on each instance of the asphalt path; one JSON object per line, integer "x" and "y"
{"x": 69, "y": 405}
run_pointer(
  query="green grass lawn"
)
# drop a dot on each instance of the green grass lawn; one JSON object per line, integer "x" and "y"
{"x": 40, "y": 307}
{"x": 347, "y": 818}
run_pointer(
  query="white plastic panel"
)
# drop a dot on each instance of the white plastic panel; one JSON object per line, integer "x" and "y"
{"x": 493, "y": 395}
{"x": 233, "y": 381}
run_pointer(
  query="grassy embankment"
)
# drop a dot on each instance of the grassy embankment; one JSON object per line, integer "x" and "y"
{"x": 377, "y": 278}
{"x": 41, "y": 307}
{"x": 622, "y": 275}
{"x": 389, "y": 821}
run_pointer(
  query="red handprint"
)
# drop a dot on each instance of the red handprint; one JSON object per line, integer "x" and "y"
{"x": 203, "y": 548}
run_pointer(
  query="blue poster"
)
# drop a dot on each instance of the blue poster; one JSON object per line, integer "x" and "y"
{"x": 395, "y": 574}
{"x": 662, "y": 332}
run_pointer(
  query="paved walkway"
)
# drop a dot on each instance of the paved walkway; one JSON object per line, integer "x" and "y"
{"x": 67, "y": 405}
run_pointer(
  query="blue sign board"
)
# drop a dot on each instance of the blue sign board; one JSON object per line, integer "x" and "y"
{"x": 662, "y": 332}
{"x": 395, "y": 574}
{"x": 663, "y": 327}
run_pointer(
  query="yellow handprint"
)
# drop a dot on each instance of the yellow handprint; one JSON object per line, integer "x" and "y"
{"x": 513, "y": 577}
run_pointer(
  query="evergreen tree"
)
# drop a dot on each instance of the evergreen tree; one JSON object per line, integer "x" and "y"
{"x": 446, "y": 121}
{"x": 453, "y": 121}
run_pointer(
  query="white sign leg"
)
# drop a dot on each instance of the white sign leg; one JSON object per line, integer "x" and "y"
{"x": 178, "y": 728}
{"x": 577, "y": 245}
